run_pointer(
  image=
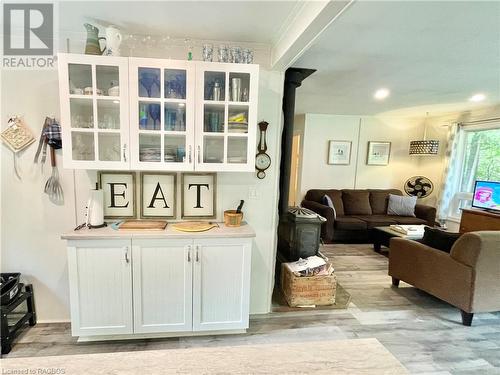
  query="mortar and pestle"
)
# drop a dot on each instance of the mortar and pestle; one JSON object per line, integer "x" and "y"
{"x": 233, "y": 218}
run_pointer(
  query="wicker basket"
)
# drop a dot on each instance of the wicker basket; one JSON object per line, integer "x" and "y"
{"x": 232, "y": 218}
{"x": 307, "y": 290}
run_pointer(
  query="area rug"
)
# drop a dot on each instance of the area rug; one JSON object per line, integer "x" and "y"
{"x": 360, "y": 356}
{"x": 279, "y": 304}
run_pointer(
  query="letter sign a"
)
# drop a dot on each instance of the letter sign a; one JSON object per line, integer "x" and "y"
{"x": 158, "y": 195}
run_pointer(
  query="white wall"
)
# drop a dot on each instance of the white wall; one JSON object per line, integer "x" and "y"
{"x": 319, "y": 129}
{"x": 31, "y": 225}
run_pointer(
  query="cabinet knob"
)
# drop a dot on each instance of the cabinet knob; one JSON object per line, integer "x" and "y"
{"x": 190, "y": 154}
{"x": 189, "y": 253}
{"x": 199, "y": 155}
{"x": 125, "y": 152}
{"x": 197, "y": 253}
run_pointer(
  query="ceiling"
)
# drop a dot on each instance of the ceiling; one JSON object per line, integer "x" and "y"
{"x": 430, "y": 55}
{"x": 237, "y": 21}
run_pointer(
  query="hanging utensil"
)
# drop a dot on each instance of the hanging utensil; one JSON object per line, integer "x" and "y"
{"x": 52, "y": 187}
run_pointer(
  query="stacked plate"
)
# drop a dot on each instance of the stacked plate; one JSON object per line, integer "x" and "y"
{"x": 238, "y": 127}
{"x": 149, "y": 154}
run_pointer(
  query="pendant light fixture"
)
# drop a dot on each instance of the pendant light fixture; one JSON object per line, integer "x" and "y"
{"x": 425, "y": 146}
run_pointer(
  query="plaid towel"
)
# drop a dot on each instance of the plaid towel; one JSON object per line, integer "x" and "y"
{"x": 53, "y": 134}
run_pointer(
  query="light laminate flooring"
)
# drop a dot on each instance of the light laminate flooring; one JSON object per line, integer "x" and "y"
{"x": 422, "y": 332}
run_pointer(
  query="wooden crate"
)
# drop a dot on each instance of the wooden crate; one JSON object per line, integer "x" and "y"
{"x": 312, "y": 290}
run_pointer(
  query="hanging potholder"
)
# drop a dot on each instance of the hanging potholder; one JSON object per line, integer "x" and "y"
{"x": 17, "y": 136}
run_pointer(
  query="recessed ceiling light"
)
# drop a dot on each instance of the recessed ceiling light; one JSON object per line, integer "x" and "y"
{"x": 477, "y": 98}
{"x": 381, "y": 94}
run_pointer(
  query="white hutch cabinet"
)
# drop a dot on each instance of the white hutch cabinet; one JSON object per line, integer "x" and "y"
{"x": 157, "y": 114}
{"x": 123, "y": 285}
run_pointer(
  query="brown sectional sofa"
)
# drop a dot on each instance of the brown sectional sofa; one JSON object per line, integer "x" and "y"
{"x": 359, "y": 211}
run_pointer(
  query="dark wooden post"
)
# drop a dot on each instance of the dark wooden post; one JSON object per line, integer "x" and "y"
{"x": 293, "y": 79}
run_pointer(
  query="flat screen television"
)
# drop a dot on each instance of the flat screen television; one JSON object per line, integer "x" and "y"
{"x": 487, "y": 195}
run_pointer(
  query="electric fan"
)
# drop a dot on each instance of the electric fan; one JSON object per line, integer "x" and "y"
{"x": 418, "y": 186}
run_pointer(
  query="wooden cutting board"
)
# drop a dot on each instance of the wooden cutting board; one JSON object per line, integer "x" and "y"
{"x": 143, "y": 225}
{"x": 194, "y": 226}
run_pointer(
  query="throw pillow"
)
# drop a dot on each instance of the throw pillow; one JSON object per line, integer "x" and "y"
{"x": 356, "y": 202}
{"x": 327, "y": 201}
{"x": 401, "y": 206}
{"x": 439, "y": 239}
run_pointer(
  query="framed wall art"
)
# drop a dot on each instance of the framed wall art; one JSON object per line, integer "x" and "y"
{"x": 158, "y": 195}
{"x": 378, "y": 153}
{"x": 198, "y": 192}
{"x": 339, "y": 152}
{"x": 119, "y": 194}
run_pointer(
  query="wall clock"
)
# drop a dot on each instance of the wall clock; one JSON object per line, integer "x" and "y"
{"x": 262, "y": 160}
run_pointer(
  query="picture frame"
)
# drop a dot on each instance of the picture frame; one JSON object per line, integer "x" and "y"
{"x": 158, "y": 189}
{"x": 119, "y": 194}
{"x": 378, "y": 153}
{"x": 198, "y": 203}
{"x": 339, "y": 152}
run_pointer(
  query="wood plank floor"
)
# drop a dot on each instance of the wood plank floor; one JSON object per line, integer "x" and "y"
{"x": 422, "y": 332}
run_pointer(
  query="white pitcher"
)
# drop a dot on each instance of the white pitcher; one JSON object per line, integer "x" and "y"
{"x": 113, "y": 41}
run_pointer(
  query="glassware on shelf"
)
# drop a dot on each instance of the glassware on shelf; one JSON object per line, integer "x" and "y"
{"x": 155, "y": 113}
{"x": 244, "y": 95}
{"x": 175, "y": 84}
{"x": 216, "y": 91}
{"x": 143, "y": 116}
{"x": 82, "y": 145}
{"x": 223, "y": 53}
{"x": 237, "y": 150}
{"x": 214, "y": 85}
{"x": 179, "y": 120}
{"x": 213, "y": 118}
{"x": 236, "y": 89}
{"x": 247, "y": 56}
{"x": 213, "y": 149}
{"x": 189, "y": 48}
{"x": 108, "y": 114}
{"x": 235, "y": 55}
{"x": 175, "y": 150}
{"x": 148, "y": 80}
{"x": 208, "y": 52}
{"x": 109, "y": 146}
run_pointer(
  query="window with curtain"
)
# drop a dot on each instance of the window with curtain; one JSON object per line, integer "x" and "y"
{"x": 480, "y": 160}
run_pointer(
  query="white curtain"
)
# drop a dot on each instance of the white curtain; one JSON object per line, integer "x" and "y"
{"x": 451, "y": 172}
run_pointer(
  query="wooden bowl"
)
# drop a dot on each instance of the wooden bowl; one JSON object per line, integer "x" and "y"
{"x": 232, "y": 218}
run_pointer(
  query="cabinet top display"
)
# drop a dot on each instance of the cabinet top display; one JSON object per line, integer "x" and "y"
{"x": 244, "y": 231}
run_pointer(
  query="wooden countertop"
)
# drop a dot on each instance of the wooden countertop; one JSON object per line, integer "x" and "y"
{"x": 243, "y": 231}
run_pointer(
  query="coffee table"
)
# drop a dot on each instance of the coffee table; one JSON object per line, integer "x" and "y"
{"x": 383, "y": 235}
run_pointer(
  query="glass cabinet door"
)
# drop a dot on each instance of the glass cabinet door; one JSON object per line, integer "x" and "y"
{"x": 162, "y": 114}
{"x": 94, "y": 107}
{"x": 227, "y": 116}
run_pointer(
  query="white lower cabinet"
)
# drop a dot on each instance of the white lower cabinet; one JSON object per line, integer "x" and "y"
{"x": 163, "y": 293}
{"x": 100, "y": 275}
{"x": 221, "y": 284}
{"x": 142, "y": 286}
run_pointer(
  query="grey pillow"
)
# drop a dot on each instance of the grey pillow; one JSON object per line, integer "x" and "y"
{"x": 401, "y": 205}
